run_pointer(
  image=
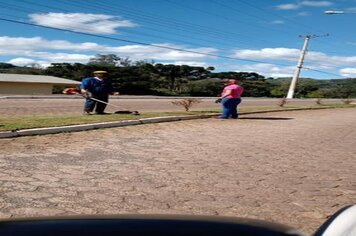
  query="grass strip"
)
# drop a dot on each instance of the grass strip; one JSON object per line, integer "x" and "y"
{"x": 28, "y": 122}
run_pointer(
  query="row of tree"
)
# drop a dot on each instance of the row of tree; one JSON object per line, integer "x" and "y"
{"x": 150, "y": 78}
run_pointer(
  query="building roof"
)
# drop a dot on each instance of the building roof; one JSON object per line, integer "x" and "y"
{"x": 43, "y": 79}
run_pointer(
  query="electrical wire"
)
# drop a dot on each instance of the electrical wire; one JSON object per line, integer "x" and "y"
{"x": 25, "y": 9}
{"x": 157, "y": 46}
{"x": 226, "y": 42}
{"x": 136, "y": 42}
{"x": 290, "y": 20}
{"x": 324, "y": 72}
{"x": 169, "y": 23}
{"x": 228, "y": 19}
{"x": 280, "y": 16}
{"x": 17, "y": 8}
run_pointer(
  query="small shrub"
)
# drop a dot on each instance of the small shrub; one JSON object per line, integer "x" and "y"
{"x": 347, "y": 101}
{"x": 187, "y": 103}
{"x": 282, "y": 102}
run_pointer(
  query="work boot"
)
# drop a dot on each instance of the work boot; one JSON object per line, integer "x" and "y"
{"x": 86, "y": 113}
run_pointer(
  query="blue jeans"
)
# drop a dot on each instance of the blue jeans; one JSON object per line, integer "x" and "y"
{"x": 99, "y": 107}
{"x": 230, "y": 108}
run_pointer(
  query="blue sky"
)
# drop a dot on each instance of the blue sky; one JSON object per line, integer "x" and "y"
{"x": 263, "y": 36}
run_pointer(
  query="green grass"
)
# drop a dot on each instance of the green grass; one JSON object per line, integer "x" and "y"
{"x": 28, "y": 122}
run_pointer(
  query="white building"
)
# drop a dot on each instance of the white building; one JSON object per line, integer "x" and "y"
{"x": 19, "y": 84}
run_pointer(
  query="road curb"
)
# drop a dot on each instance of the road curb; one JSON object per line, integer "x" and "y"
{"x": 84, "y": 127}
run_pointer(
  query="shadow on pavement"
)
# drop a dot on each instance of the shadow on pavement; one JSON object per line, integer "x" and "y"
{"x": 265, "y": 118}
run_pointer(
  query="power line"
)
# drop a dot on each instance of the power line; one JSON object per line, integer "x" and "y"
{"x": 18, "y": 8}
{"x": 14, "y": 7}
{"x": 136, "y": 42}
{"x": 234, "y": 9}
{"x": 324, "y": 72}
{"x": 198, "y": 33}
{"x": 287, "y": 19}
{"x": 46, "y": 6}
{"x": 153, "y": 45}
{"x": 280, "y": 16}
{"x": 153, "y": 29}
{"x": 167, "y": 22}
{"x": 171, "y": 23}
{"x": 228, "y": 19}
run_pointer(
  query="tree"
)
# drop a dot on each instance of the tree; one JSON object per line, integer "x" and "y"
{"x": 305, "y": 87}
{"x": 170, "y": 72}
{"x": 180, "y": 73}
{"x": 104, "y": 60}
{"x": 255, "y": 85}
{"x": 4, "y": 65}
{"x": 125, "y": 61}
{"x": 205, "y": 87}
{"x": 74, "y": 71}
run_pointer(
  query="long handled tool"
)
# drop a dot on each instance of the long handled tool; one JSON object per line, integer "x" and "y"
{"x": 71, "y": 91}
{"x": 117, "y": 112}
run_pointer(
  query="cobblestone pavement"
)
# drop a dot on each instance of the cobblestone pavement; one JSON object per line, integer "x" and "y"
{"x": 295, "y": 168}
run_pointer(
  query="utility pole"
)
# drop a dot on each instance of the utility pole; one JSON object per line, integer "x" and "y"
{"x": 299, "y": 67}
{"x": 300, "y": 64}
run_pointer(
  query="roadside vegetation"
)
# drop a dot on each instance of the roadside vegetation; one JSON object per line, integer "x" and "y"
{"x": 150, "y": 78}
{"x": 28, "y": 122}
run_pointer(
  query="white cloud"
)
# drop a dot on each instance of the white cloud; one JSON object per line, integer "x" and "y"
{"x": 348, "y": 72}
{"x": 268, "y": 70}
{"x": 278, "y": 22}
{"x": 294, "y": 6}
{"x": 288, "y": 54}
{"x": 312, "y": 58}
{"x": 163, "y": 54}
{"x": 81, "y": 22}
{"x": 190, "y": 63}
{"x": 289, "y": 6}
{"x": 49, "y": 51}
{"x": 323, "y": 60}
{"x": 316, "y": 3}
{"x": 20, "y": 44}
{"x": 21, "y": 61}
{"x": 63, "y": 57}
{"x": 42, "y": 51}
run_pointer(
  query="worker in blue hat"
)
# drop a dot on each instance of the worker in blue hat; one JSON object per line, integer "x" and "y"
{"x": 98, "y": 87}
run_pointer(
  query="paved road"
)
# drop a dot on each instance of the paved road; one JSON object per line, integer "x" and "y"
{"x": 295, "y": 168}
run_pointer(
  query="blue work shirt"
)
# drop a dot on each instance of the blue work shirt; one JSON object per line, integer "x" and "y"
{"x": 97, "y": 86}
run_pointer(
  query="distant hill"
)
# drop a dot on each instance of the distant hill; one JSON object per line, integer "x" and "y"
{"x": 4, "y": 65}
{"x": 308, "y": 87}
{"x": 12, "y": 69}
{"x": 173, "y": 80}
